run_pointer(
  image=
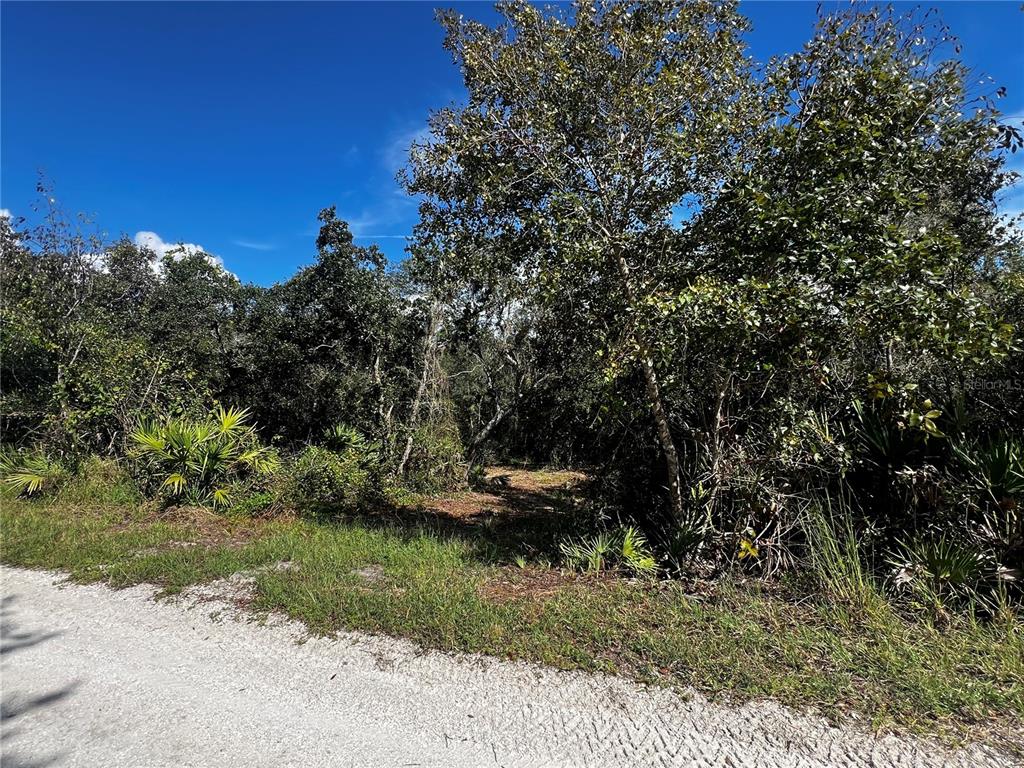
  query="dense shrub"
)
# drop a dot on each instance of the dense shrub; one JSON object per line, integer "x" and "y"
{"x": 436, "y": 461}
{"x": 200, "y": 462}
{"x": 100, "y": 480}
{"x": 256, "y": 502}
{"x": 321, "y": 479}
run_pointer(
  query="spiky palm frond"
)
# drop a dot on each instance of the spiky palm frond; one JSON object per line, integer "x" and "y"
{"x": 29, "y": 474}
{"x": 881, "y": 440}
{"x": 231, "y": 421}
{"x": 199, "y": 460}
{"x": 341, "y": 437}
{"x": 176, "y": 481}
{"x": 940, "y": 569}
{"x": 997, "y": 465}
{"x": 213, "y": 457}
{"x": 593, "y": 554}
{"x": 636, "y": 555}
{"x": 221, "y": 498}
{"x": 344, "y": 439}
{"x": 259, "y": 460}
{"x": 149, "y": 438}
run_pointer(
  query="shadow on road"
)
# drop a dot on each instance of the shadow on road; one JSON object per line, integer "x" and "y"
{"x": 15, "y": 705}
{"x": 12, "y": 638}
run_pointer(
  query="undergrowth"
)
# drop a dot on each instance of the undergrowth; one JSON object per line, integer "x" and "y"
{"x": 839, "y": 654}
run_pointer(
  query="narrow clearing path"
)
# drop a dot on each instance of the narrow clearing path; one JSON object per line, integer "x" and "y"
{"x": 95, "y": 677}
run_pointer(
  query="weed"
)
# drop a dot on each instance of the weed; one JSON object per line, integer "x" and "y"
{"x": 834, "y": 551}
{"x": 100, "y": 481}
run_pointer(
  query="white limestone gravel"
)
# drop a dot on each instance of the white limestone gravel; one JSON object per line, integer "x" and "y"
{"x": 96, "y": 677}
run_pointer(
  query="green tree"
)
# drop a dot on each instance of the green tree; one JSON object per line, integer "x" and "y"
{"x": 855, "y": 254}
{"x": 96, "y": 335}
{"x": 582, "y": 135}
{"x": 329, "y": 345}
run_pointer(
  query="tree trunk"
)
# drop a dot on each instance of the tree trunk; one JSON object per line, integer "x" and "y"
{"x": 668, "y": 446}
{"x": 657, "y": 405}
{"x": 717, "y": 441}
{"x": 483, "y": 434}
{"x": 383, "y": 412}
{"x": 429, "y": 350}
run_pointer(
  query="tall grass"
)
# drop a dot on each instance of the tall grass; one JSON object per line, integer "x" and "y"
{"x": 100, "y": 481}
{"x": 834, "y": 552}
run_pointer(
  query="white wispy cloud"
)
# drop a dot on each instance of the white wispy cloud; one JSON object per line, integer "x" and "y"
{"x": 351, "y": 154}
{"x": 361, "y": 222}
{"x": 396, "y": 151}
{"x": 5, "y": 213}
{"x": 254, "y": 245}
{"x": 392, "y": 205}
{"x": 392, "y": 209}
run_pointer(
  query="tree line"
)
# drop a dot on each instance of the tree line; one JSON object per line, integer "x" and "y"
{"x": 745, "y": 294}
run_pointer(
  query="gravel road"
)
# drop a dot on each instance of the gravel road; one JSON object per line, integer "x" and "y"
{"x": 95, "y": 677}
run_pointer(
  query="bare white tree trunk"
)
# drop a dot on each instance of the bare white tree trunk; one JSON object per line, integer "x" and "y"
{"x": 429, "y": 364}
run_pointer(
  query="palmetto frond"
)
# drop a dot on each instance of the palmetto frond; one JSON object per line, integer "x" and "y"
{"x": 201, "y": 459}
{"x": 220, "y": 498}
{"x": 27, "y": 474}
{"x": 181, "y": 438}
{"x": 636, "y": 554}
{"x": 231, "y": 421}
{"x": 149, "y": 438}
{"x": 341, "y": 437}
{"x": 259, "y": 460}
{"x": 176, "y": 481}
{"x": 215, "y": 455}
{"x": 998, "y": 466}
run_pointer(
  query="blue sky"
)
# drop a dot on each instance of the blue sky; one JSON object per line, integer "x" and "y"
{"x": 230, "y": 125}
